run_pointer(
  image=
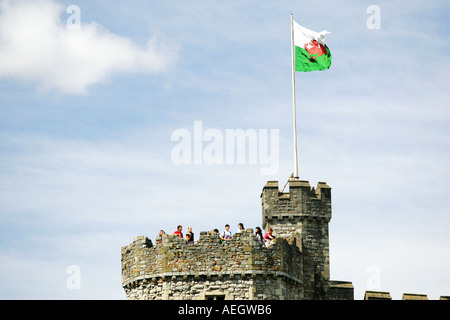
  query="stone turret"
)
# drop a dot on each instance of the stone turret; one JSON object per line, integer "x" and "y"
{"x": 302, "y": 214}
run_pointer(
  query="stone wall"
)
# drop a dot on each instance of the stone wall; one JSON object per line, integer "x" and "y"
{"x": 242, "y": 268}
{"x": 382, "y": 295}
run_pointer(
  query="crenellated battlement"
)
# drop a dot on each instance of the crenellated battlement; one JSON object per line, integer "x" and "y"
{"x": 300, "y": 203}
{"x": 196, "y": 266}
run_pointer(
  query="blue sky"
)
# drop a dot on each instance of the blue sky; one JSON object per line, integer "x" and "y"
{"x": 87, "y": 117}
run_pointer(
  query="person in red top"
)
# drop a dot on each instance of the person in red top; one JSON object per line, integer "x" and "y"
{"x": 268, "y": 236}
{"x": 178, "y": 232}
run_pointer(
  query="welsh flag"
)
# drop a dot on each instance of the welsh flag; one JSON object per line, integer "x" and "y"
{"x": 311, "y": 52}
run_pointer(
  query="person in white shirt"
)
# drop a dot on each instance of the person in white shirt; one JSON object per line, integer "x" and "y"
{"x": 226, "y": 235}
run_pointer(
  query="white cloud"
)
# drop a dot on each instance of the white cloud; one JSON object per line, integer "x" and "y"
{"x": 37, "y": 46}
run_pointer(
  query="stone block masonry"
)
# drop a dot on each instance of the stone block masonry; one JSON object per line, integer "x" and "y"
{"x": 240, "y": 269}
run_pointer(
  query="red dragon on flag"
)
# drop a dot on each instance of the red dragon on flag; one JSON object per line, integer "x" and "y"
{"x": 315, "y": 50}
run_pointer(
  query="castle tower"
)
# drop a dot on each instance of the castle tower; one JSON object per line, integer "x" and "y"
{"x": 295, "y": 266}
{"x": 302, "y": 214}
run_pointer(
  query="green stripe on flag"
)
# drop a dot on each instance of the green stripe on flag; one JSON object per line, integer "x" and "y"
{"x": 314, "y": 62}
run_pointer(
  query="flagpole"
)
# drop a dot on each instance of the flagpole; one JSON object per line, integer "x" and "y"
{"x": 293, "y": 99}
